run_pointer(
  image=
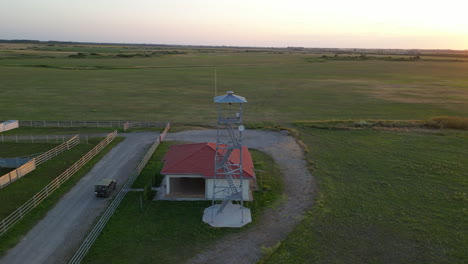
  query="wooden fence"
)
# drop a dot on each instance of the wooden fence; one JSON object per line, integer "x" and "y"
{"x": 33, "y": 163}
{"x": 97, "y": 229}
{"x": 21, "y": 212}
{"x": 9, "y": 125}
{"x": 17, "y": 173}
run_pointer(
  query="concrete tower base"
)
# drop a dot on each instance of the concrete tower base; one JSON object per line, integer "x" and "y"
{"x": 232, "y": 216}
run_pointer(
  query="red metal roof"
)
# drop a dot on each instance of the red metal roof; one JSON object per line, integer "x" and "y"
{"x": 199, "y": 159}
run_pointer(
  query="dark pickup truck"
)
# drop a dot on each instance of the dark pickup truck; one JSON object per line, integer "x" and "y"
{"x": 104, "y": 187}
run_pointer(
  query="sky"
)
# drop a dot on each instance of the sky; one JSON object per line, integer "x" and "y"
{"x": 395, "y": 24}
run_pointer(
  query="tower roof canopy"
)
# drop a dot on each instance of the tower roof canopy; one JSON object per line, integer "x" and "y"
{"x": 229, "y": 97}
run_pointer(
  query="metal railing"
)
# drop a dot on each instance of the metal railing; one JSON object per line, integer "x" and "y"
{"x": 97, "y": 229}
{"x": 21, "y": 211}
{"x": 92, "y": 123}
{"x": 33, "y": 163}
{"x": 35, "y": 138}
{"x": 143, "y": 124}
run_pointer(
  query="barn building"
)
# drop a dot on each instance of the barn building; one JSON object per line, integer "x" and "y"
{"x": 189, "y": 172}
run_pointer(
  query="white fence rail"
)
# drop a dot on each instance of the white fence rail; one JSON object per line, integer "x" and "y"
{"x": 8, "y": 125}
{"x": 35, "y": 138}
{"x": 97, "y": 229}
{"x": 57, "y": 150}
{"x": 21, "y": 212}
{"x": 33, "y": 163}
{"x": 93, "y": 123}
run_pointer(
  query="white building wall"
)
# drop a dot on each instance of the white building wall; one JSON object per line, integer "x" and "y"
{"x": 223, "y": 182}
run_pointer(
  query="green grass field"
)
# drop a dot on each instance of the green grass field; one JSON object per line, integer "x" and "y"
{"x": 385, "y": 197}
{"x": 172, "y": 232}
{"x": 279, "y": 87}
{"x": 11, "y": 150}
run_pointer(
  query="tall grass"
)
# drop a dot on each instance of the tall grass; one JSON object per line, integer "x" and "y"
{"x": 453, "y": 122}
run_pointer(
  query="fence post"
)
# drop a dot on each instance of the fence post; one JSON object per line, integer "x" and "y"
{"x": 32, "y": 139}
{"x": 45, "y": 124}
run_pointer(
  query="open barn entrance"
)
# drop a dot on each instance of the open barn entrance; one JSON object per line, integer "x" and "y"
{"x": 187, "y": 187}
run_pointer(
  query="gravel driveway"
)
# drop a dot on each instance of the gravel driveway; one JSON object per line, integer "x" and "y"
{"x": 58, "y": 235}
{"x": 274, "y": 224}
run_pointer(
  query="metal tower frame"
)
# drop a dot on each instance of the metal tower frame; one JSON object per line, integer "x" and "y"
{"x": 228, "y": 140}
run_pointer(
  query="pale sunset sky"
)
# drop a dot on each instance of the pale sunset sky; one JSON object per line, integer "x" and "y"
{"x": 420, "y": 24}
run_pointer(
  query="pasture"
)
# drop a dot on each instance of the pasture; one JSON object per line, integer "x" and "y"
{"x": 43, "y": 83}
{"x": 385, "y": 197}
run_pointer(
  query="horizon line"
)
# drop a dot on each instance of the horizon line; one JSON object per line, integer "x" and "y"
{"x": 215, "y": 46}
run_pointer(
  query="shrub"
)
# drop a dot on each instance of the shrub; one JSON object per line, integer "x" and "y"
{"x": 148, "y": 193}
{"x": 77, "y": 56}
{"x": 453, "y": 122}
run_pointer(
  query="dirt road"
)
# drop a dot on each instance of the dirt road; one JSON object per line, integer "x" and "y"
{"x": 58, "y": 235}
{"x": 274, "y": 224}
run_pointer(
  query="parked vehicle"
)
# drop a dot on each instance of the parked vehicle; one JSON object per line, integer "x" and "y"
{"x": 105, "y": 187}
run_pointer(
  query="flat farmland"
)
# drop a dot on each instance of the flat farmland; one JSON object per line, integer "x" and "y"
{"x": 179, "y": 86}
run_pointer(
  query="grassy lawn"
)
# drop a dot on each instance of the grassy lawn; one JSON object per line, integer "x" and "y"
{"x": 20, "y": 191}
{"x": 171, "y": 232}
{"x": 385, "y": 197}
{"x": 11, "y": 150}
{"x": 279, "y": 87}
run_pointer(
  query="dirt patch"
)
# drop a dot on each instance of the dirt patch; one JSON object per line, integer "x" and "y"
{"x": 275, "y": 223}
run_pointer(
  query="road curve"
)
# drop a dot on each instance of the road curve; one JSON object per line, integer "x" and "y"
{"x": 275, "y": 223}
{"x": 58, "y": 235}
